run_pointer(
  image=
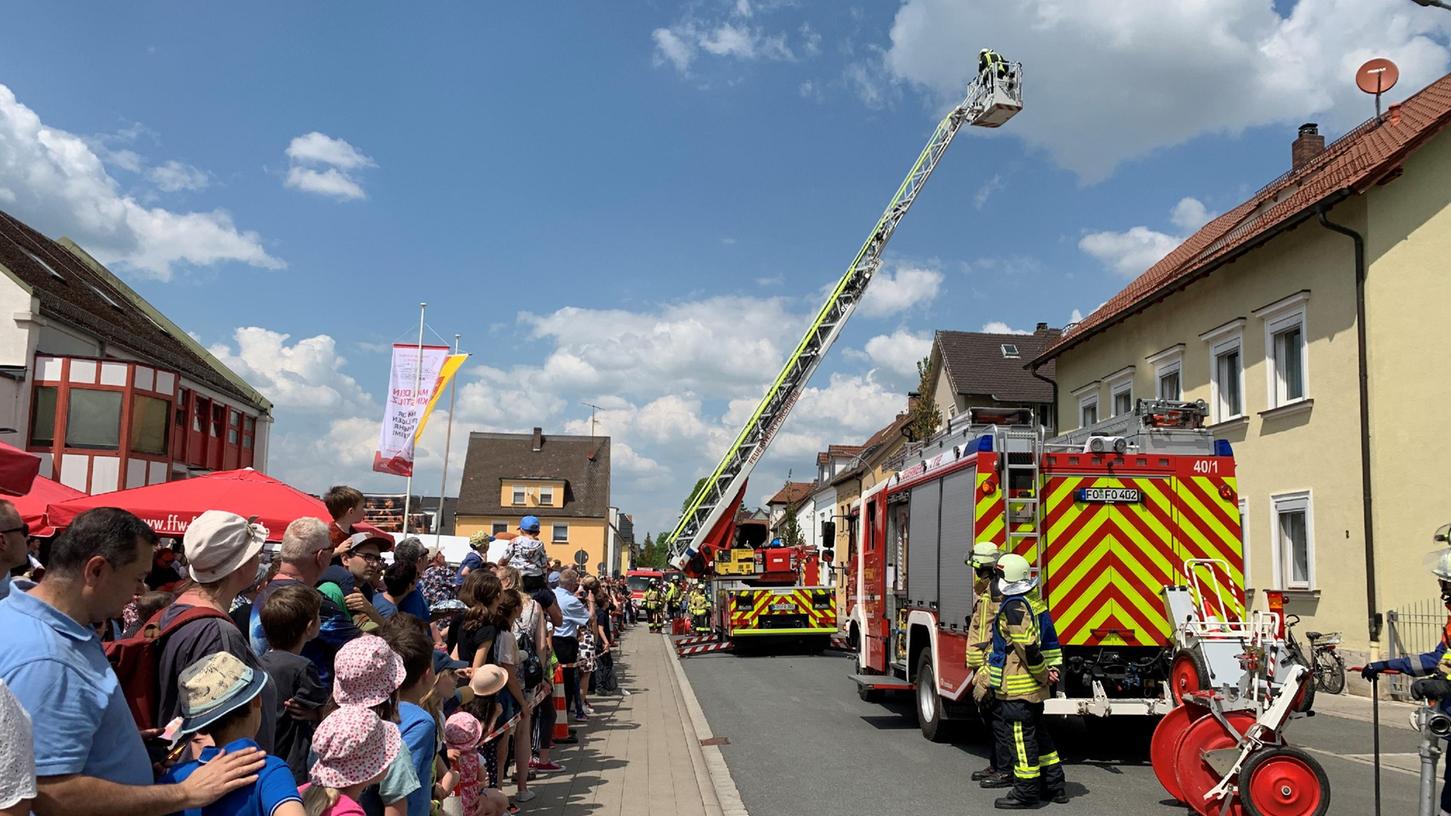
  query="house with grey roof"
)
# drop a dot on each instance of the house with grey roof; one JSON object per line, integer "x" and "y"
{"x": 986, "y": 370}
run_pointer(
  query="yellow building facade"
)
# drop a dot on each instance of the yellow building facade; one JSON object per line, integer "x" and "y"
{"x": 1271, "y": 343}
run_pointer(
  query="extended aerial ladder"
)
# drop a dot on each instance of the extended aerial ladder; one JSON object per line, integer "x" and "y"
{"x": 993, "y": 98}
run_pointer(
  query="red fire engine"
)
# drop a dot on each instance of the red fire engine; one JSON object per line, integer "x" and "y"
{"x": 1109, "y": 516}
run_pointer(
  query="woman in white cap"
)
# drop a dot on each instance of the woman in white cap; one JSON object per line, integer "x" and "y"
{"x": 353, "y": 749}
{"x": 224, "y": 557}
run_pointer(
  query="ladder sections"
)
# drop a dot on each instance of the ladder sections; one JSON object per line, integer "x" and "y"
{"x": 990, "y": 101}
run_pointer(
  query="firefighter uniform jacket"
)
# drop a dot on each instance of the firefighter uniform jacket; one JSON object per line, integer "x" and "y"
{"x": 698, "y": 604}
{"x": 652, "y": 599}
{"x": 1025, "y": 646}
{"x": 980, "y": 631}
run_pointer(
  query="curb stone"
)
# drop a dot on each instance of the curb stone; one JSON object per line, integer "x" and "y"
{"x": 720, "y": 774}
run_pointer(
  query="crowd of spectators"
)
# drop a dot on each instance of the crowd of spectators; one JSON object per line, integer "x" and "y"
{"x": 331, "y": 673}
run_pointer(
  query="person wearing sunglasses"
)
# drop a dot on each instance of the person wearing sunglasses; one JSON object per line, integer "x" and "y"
{"x": 14, "y": 544}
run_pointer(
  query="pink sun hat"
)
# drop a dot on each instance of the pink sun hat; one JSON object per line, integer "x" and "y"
{"x": 353, "y": 746}
{"x": 366, "y": 672}
{"x": 462, "y": 730}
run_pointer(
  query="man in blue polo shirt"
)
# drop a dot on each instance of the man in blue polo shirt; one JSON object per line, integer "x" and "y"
{"x": 89, "y": 757}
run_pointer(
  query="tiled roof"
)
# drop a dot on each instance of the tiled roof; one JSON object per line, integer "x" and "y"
{"x": 883, "y": 438}
{"x": 837, "y": 450}
{"x": 976, "y": 365}
{"x": 792, "y": 493}
{"x": 1353, "y": 164}
{"x": 97, "y": 302}
{"x": 581, "y": 462}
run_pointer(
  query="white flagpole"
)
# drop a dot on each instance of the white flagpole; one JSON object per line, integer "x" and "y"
{"x": 447, "y": 441}
{"x": 417, "y": 384}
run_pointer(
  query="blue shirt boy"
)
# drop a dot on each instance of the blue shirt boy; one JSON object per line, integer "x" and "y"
{"x": 273, "y": 787}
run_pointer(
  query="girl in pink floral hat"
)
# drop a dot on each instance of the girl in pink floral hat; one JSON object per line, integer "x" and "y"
{"x": 467, "y": 777}
{"x": 353, "y": 750}
{"x": 367, "y": 673}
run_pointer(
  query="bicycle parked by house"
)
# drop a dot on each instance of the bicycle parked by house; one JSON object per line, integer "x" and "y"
{"x": 1324, "y": 660}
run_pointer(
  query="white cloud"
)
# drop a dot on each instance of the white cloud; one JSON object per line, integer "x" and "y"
{"x": 890, "y": 293}
{"x": 999, "y": 327}
{"x": 1107, "y": 82}
{"x": 171, "y": 176}
{"x": 302, "y": 376}
{"x": 325, "y": 165}
{"x": 1133, "y": 251}
{"x": 58, "y": 184}
{"x": 728, "y": 36}
{"x": 1075, "y": 317}
{"x": 673, "y": 48}
{"x": 992, "y": 185}
{"x": 899, "y": 352}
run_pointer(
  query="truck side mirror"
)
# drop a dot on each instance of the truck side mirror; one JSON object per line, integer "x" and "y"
{"x": 828, "y": 533}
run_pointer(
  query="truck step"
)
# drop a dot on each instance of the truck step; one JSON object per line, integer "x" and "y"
{"x": 881, "y": 682}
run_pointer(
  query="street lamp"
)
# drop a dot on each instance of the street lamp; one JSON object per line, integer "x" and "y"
{"x": 1436, "y": 3}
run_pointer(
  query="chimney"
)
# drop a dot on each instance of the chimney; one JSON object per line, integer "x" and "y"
{"x": 1043, "y": 330}
{"x": 1307, "y": 145}
{"x": 538, "y": 439}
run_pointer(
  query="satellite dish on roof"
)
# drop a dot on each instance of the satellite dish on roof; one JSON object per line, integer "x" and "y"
{"x": 1377, "y": 76}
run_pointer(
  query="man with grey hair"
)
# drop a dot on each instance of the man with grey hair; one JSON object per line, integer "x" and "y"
{"x": 412, "y": 551}
{"x": 574, "y": 615}
{"x": 306, "y": 551}
{"x": 14, "y": 544}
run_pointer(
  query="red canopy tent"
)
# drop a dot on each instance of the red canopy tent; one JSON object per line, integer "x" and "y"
{"x": 170, "y": 507}
{"x": 17, "y": 470}
{"x": 32, "y": 506}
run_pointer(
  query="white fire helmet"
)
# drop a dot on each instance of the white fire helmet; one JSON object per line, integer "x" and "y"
{"x": 984, "y": 554}
{"x": 1018, "y": 577}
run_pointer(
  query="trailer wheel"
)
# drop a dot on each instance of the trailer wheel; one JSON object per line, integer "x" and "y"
{"x": 928, "y": 702}
{"x": 1284, "y": 781}
{"x": 1194, "y": 774}
{"x": 1187, "y": 674}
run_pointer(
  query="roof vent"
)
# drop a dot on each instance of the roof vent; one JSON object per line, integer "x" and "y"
{"x": 538, "y": 439}
{"x": 1010, "y": 351}
{"x": 1307, "y": 145}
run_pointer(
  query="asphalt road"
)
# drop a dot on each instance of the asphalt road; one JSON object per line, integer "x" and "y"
{"x": 803, "y": 744}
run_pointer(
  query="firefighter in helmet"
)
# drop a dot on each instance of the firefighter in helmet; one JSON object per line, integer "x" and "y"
{"x": 699, "y": 610}
{"x": 652, "y": 605}
{"x": 1433, "y": 667}
{"x": 1022, "y": 667}
{"x": 990, "y": 67}
{"x": 983, "y": 560}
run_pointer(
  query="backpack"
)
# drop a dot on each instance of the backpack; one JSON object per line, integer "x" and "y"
{"x": 531, "y": 668}
{"x": 135, "y": 660}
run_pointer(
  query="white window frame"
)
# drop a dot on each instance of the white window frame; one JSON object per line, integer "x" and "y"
{"x": 1169, "y": 361}
{"x": 1297, "y": 501}
{"x": 555, "y": 537}
{"x": 1083, "y": 403}
{"x": 546, "y": 496}
{"x": 517, "y": 496}
{"x": 1280, "y": 316}
{"x": 1119, "y": 382}
{"x": 1086, "y": 394}
{"x": 1222, "y": 340}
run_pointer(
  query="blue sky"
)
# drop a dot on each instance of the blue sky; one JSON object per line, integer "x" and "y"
{"x": 638, "y": 204}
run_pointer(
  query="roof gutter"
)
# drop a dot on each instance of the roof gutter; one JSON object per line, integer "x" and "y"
{"x": 1033, "y": 369}
{"x": 1373, "y": 615}
{"x": 1284, "y": 226}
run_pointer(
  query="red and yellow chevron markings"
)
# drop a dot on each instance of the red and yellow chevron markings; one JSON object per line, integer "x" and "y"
{"x": 1208, "y": 512}
{"x": 763, "y": 599}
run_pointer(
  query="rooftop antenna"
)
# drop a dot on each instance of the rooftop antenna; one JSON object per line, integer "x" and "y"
{"x": 592, "y": 408}
{"x": 1376, "y": 77}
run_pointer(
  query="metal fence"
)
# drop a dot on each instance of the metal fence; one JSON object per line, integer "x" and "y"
{"x": 1411, "y": 630}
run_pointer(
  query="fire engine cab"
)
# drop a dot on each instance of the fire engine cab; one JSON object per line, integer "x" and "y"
{"x": 1109, "y": 515}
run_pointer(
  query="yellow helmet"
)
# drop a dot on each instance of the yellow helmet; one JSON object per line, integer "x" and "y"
{"x": 984, "y": 554}
{"x": 1018, "y": 576}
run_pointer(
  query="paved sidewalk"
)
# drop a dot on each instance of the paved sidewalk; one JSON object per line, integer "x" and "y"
{"x": 1354, "y": 707}
{"x": 639, "y": 755}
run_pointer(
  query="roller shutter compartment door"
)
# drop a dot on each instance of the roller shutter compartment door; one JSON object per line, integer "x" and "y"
{"x": 922, "y": 561}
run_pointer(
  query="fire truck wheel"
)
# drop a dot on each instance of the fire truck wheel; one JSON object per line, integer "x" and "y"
{"x": 1284, "y": 781}
{"x": 929, "y": 703}
{"x": 1187, "y": 674}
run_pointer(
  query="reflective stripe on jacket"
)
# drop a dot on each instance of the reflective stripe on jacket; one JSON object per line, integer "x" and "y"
{"x": 1025, "y": 646}
{"x": 980, "y": 631}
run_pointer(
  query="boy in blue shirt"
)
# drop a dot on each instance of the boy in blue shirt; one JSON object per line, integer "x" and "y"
{"x": 408, "y": 637}
{"x": 221, "y": 700}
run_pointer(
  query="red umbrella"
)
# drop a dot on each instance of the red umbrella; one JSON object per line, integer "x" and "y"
{"x": 43, "y": 492}
{"x": 17, "y": 470}
{"x": 170, "y": 507}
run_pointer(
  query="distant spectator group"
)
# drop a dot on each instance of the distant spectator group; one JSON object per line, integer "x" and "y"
{"x": 332, "y": 672}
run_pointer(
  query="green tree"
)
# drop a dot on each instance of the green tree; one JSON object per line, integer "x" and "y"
{"x": 925, "y": 416}
{"x": 652, "y": 555}
{"x": 790, "y": 530}
{"x": 694, "y": 491}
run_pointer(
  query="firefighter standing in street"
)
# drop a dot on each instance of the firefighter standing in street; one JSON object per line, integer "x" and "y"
{"x": 1433, "y": 667}
{"x": 983, "y": 560}
{"x": 1022, "y": 666}
{"x": 652, "y": 606}
{"x": 672, "y": 600}
{"x": 699, "y": 610}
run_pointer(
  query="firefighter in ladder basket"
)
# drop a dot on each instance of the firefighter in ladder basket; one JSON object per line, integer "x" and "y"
{"x": 1022, "y": 668}
{"x": 984, "y": 560}
{"x": 990, "y": 67}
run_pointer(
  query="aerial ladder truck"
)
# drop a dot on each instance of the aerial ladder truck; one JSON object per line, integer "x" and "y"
{"x": 753, "y": 592}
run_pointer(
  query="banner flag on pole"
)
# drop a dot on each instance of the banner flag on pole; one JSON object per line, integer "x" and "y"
{"x": 451, "y": 365}
{"x": 404, "y": 409}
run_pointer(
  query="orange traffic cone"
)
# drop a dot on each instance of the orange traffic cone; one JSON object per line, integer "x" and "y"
{"x": 561, "y": 719}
